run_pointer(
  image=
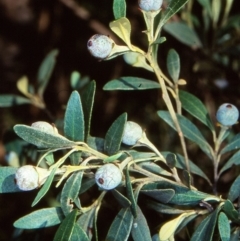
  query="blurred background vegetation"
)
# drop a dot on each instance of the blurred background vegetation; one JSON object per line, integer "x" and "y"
{"x": 29, "y": 30}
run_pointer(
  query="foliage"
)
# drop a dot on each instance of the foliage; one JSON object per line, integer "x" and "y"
{"x": 164, "y": 180}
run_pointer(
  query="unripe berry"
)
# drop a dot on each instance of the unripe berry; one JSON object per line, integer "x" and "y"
{"x": 150, "y": 5}
{"x": 132, "y": 133}
{"x": 227, "y": 114}
{"x": 45, "y": 127}
{"x": 100, "y": 46}
{"x": 30, "y": 177}
{"x": 108, "y": 176}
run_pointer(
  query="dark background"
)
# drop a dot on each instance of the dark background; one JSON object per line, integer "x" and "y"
{"x": 30, "y": 29}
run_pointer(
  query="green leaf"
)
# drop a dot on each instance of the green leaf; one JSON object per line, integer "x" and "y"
{"x": 161, "y": 195}
{"x": 122, "y": 200}
{"x": 42, "y": 218}
{"x": 114, "y": 135}
{"x": 7, "y": 183}
{"x": 66, "y": 228}
{"x": 163, "y": 208}
{"x": 183, "y": 33}
{"x": 70, "y": 192}
{"x": 85, "y": 221}
{"x": 119, "y": 8}
{"x": 12, "y": 100}
{"x": 230, "y": 210}
{"x": 183, "y": 195}
{"x": 234, "y": 191}
{"x": 130, "y": 194}
{"x": 173, "y": 64}
{"x": 87, "y": 105}
{"x": 74, "y": 119}
{"x": 121, "y": 226}
{"x": 45, "y": 71}
{"x": 234, "y": 160}
{"x": 196, "y": 108}
{"x": 224, "y": 227}
{"x": 234, "y": 144}
{"x": 140, "y": 230}
{"x": 185, "y": 222}
{"x": 41, "y": 139}
{"x": 45, "y": 187}
{"x": 78, "y": 234}
{"x": 172, "y": 8}
{"x": 206, "y": 228}
{"x": 189, "y": 130}
{"x": 131, "y": 83}
{"x": 235, "y": 235}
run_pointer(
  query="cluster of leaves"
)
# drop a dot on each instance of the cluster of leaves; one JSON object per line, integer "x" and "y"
{"x": 152, "y": 175}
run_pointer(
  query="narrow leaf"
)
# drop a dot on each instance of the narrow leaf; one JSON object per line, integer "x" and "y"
{"x": 173, "y": 64}
{"x": 230, "y": 210}
{"x": 41, "y": 139}
{"x": 234, "y": 144}
{"x": 70, "y": 192}
{"x": 74, "y": 119}
{"x": 183, "y": 33}
{"x": 130, "y": 194}
{"x": 234, "y": 160}
{"x": 196, "y": 108}
{"x": 114, "y": 134}
{"x": 12, "y": 100}
{"x": 87, "y": 105}
{"x": 119, "y": 8}
{"x": 65, "y": 230}
{"x": 78, "y": 234}
{"x": 169, "y": 228}
{"x": 42, "y": 218}
{"x": 121, "y": 226}
{"x": 45, "y": 71}
{"x": 234, "y": 191}
{"x": 7, "y": 183}
{"x": 45, "y": 187}
{"x": 140, "y": 230}
{"x": 161, "y": 195}
{"x": 224, "y": 227}
{"x": 172, "y": 8}
{"x": 131, "y": 83}
{"x": 206, "y": 228}
{"x": 189, "y": 130}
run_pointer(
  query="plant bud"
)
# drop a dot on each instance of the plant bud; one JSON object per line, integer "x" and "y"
{"x": 30, "y": 177}
{"x": 227, "y": 114}
{"x": 132, "y": 133}
{"x": 100, "y": 46}
{"x": 150, "y": 5}
{"x": 108, "y": 176}
{"x": 45, "y": 127}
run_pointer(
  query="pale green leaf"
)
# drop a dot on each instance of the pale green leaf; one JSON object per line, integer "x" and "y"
{"x": 195, "y": 107}
{"x": 183, "y": 33}
{"x": 7, "y": 183}
{"x": 173, "y": 64}
{"x": 131, "y": 83}
{"x": 42, "y": 218}
{"x": 119, "y": 8}
{"x": 78, "y": 234}
{"x": 224, "y": 227}
{"x": 140, "y": 230}
{"x": 121, "y": 226}
{"x": 40, "y": 138}
{"x": 189, "y": 130}
{"x": 234, "y": 191}
{"x": 234, "y": 144}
